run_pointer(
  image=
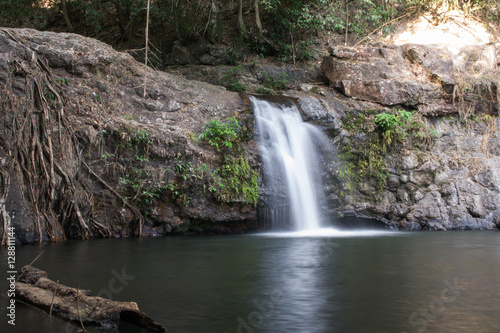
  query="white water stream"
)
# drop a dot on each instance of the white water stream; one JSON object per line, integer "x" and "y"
{"x": 290, "y": 160}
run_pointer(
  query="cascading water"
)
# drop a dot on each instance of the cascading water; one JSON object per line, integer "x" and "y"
{"x": 291, "y": 164}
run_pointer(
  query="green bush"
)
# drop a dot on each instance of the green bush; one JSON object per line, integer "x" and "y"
{"x": 220, "y": 134}
{"x": 276, "y": 81}
{"x": 393, "y": 126}
{"x": 235, "y": 180}
{"x": 239, "y": 180}
{"x": 231, "y": 80}
{"x": 400, "y": 125}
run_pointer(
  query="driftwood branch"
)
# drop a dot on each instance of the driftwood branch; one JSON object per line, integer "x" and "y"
{"x": 147, "y": 48}
{"x": 76, "y": 305}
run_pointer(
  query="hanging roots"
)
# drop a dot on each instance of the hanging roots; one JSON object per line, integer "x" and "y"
{"x": 43, "y": 147}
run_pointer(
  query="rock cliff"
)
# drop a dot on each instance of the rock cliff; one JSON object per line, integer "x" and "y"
{"x": 85, "y": 153}
{"x": 436, "y": 169}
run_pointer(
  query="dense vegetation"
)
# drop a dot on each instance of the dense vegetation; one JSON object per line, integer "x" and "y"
{"x": 371, "y": 137}
{"x": 281, "y": 28}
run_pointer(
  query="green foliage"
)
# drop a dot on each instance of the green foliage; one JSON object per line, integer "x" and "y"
{"x": 235, "y": 180}
{"x": 107, "y": 155}
{"x": 231, "y": 80}
{"x": 363, "y": 162}
{"x": 290, "y": 25}
{"x": 49, "y": 95}
{"x": 364, "y": 150}
{"x": 62, "y": 80}
{"x": 239, "y": 179}
{"x": 393, "y": 126}
{"x": 275, "y": 81}
{"x": 399, "y": 125}
{"x": 141, "y": 136}
{"x": 265, "y": 91}
{"x": 135, "y": 183}
{"x": 220, "y": 134}
{"x": 13, "y": 13}
{"x": 139, "y": 185}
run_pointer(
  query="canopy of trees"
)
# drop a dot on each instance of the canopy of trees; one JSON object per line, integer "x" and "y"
{"x": 283, "y": 28}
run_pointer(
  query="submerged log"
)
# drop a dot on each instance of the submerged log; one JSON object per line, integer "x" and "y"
{"x": 77, "y": 305}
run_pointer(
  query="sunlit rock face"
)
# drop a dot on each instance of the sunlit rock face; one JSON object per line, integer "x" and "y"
{"x": 432, "y": 79}
{"x": 452, "y": 184}
{"x": 445, "y": 27}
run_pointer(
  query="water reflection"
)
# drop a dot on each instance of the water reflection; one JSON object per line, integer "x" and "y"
{"x": 266, "y": 284}
{"x": 292, "y": 294}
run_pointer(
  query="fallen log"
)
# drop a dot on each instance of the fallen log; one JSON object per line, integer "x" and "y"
{"x": 33, "y": 287}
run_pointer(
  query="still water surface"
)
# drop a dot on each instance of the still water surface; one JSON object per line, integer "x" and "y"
{"x": 339, "y": 282}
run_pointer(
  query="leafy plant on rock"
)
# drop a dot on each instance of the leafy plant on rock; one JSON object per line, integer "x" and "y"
{"x": 220, "y": 134}
{"x": 235, "y": 180}
{"x": 363, "y": 152}
{"x": 401, "y": 125}
{"x": 231, "y": 80}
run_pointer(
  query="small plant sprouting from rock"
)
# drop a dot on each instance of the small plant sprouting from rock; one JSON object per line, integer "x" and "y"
{"x": 402, "y": 124}
{"x": 231, "y": 80}
{"x": 219, "y": 134}
{"x": 371, "y": 134}
{"x": 393, "y": 126}
{"x": 235, "y": 179}
{"x": 275, "y": 81}
{"x": 265, "y": 91}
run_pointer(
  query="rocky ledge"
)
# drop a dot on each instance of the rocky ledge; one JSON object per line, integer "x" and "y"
{"x": 88, "y": 152}
{"x": 441, "y": 164}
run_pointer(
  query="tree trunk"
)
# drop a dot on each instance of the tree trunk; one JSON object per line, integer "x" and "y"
{"x": 66, "y": 16}
{"x": 122, "y": 14}
{"x": 257, "y": 17}
{"x": 176, "y": 12}
{"x": 241, "y": 24}
{"x": 212, "y": 33}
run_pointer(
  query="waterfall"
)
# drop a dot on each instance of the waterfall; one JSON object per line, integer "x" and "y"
{"x": 291, "y": 165}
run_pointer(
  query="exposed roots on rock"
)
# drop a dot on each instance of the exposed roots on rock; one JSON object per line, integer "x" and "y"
{"x": 132, "y": 208}
{"x": 43, "y": 147}
{"x": 4, "y": 192}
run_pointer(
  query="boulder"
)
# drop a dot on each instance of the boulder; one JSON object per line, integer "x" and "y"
{"x": 429, "y": 78}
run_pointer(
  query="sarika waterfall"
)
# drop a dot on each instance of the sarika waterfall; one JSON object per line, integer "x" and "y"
{"x": 291, "y": 165}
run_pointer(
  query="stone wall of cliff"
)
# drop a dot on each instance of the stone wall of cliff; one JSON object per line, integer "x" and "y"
{"x": 85, "y": 154}
{"x": 438, "y": 169}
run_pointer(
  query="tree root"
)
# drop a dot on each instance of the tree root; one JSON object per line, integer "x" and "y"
{"x": 136, "y": 211}
{"x": 4, "y": 192}
{"x": 44, "y": 159}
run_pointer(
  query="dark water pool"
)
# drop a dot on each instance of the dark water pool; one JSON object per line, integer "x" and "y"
{"x": 347, "y": 282}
